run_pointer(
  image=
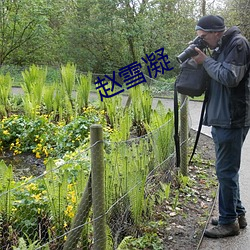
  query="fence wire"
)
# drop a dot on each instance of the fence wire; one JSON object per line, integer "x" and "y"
{"x": 43, "y": 210}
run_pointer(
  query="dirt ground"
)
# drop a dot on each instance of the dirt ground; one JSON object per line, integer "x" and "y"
{"x": 187, "y": 222}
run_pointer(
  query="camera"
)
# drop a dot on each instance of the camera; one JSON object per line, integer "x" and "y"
{"x": 190, "y": 51}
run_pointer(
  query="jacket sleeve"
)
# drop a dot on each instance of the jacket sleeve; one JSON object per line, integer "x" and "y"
{"x": 234, "y": 66}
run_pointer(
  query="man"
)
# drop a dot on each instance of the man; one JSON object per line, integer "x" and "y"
{"x": 228, "y": 112}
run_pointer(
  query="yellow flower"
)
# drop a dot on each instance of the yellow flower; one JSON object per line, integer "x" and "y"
{"x": 45, "y": 151}
{"x": 31, "y": 187}
{"x": 6, "y": 132}
{"x": 14, "y": 209}
{"x": 37, "y": 196}
{"x": 102, "y": 112}
{"x": 73, "y": 199}
{"x": 69, "y": 211}
{"x": 26, "y": 178}
{"x": 38, "y": 155}
{"x": 17, "y": 152}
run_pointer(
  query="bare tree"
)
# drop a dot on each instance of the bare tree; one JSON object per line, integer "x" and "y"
{"x": 20, "y": 22}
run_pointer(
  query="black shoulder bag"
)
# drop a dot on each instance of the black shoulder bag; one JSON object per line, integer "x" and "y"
{"x": 192, "y": 81}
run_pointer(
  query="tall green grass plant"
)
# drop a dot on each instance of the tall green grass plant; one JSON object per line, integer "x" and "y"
{"x": 83, "y": 90}
{"x": 34, "y": 80}
{"x": 5, "y": 91}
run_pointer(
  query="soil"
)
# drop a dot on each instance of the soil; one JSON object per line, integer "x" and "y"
{"x": 186, "y": 223}
{"x": 25, "y": 164}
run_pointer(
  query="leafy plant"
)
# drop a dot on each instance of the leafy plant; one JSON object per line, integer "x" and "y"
{"x": 122, "y": 129}
{"x": 48, "y": 98}
{"x": 142, "y": 109}
{"x": 176, "y": 199}
{"x": 34, "y": 81}
{"x": 164, "y": 191}
{"x": 6, "y": 184}
{"x": 161, "y": 126}
{"x": 30, "y": 208}
{"x": 43, "y": 137}
{"x": 83, "y": 91}
{"x": 56, "y": 187}
{"x": 114, "y": 110}
{"x": 22, "y": 134}
{"x": 5, "y": 90}
{"x": 22, "y": 245}
{"x": 65, "y": 184}
{"x": 146, "y": 104}
{"x": 184, "y": 181}
{"x": 68, "y": 74}
{"x": 147, "y": 241}
{"x": 126, "y": 173}
{"x": 6, "y": 204}
{"x": 59, "y": 101}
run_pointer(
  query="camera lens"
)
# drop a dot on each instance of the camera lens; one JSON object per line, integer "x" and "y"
{"x": 190, "y": 51}
{"x": 187, "y": 53}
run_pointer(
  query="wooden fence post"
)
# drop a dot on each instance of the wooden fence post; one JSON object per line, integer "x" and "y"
{"x": 98, "y": 195}
{"x": 184, "y": 135}
{"x": 80, "y": 218}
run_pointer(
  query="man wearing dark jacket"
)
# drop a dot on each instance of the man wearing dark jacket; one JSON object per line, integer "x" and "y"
{"x": 228, "y": 112}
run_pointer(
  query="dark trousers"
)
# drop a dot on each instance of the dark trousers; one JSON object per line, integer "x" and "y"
{"x": 228, "y": 145}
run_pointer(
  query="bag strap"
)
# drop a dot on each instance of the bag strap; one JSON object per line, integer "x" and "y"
{"x": 199, "y": 127}
{"x": 176, "y": 126}
{"x": 201, "y": 118}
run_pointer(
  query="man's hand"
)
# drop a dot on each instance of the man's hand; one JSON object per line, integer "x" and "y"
{"x": 200, "y": 58}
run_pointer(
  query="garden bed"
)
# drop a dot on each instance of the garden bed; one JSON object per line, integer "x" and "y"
{"x": 179, "y": 221}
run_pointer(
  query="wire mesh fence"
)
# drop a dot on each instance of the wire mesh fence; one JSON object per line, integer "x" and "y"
{"x": 56, "y": 209}
{"x": 46, "y": 210}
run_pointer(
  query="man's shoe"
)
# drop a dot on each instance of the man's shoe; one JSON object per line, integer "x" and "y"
{"x": 241, "y": 219}
{"x": 221, "y": 231}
